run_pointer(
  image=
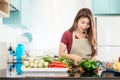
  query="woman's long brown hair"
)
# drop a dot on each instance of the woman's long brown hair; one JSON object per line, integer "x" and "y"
{"x": 85, "y": 12}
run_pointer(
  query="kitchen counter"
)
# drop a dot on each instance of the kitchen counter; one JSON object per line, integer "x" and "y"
{"x": 75, "y": 74}
{"x": 103, "y": 75}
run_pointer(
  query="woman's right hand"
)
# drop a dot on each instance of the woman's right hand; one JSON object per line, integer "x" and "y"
{"x": 76, "y": 58}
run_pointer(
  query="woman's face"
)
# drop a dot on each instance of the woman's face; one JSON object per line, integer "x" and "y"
{"x": 83, "y": 24}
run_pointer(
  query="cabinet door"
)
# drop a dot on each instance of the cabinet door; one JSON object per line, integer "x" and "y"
{"x": 108, "y": 31}
{"x": 19, "y": 19}
{"x": 106, "y": 6}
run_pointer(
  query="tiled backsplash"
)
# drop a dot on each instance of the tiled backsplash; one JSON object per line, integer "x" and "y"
{"x": 108, "y": 53}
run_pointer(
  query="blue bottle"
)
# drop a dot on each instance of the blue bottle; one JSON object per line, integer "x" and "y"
{"x": 20, "y": 51}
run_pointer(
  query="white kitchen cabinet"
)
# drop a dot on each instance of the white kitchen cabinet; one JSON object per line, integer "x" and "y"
{"x": 4, "y": 8}
{"x": 108, "y": 30}
{"x": 108, "y": 40}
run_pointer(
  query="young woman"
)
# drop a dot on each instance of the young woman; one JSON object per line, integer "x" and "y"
{"x": 79, "y": 42}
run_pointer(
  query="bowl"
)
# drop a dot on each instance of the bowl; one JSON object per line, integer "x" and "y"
{"x": 89, "y": 65}
{"x": 107, "y": 65}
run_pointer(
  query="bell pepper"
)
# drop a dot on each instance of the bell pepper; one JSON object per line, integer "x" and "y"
{"x": 57, "y": 65}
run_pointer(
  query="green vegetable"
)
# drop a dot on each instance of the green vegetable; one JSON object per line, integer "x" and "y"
{"x": 89, "y": 65}
{"x": 46, "y": 58}
{"x": 61, "y": 58}
{"x": 66, "y": 61}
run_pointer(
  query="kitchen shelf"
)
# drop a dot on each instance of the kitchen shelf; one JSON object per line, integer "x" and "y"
{"x": 19, "y": 18}
{"x": 4, "y": 8}
{"x": 4, "y": 1}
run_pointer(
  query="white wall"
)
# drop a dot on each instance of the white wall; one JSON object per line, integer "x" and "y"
{"x": 50, "y": 18}
{"x": 8, "y": 34}
{"x": 86, "y": 4}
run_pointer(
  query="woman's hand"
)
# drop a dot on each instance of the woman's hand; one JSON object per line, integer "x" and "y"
{"x": 76, "y": 58}
{"x": 94, "y": 58}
